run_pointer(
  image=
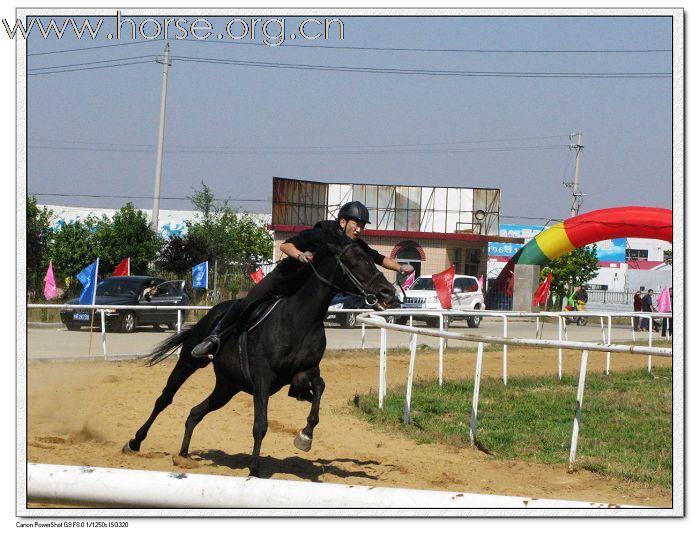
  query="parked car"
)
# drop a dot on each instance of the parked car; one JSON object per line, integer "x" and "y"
{"x": 129, "y": 290}
{"x": 343, "y": 301}
{"x": 466, "y": 296}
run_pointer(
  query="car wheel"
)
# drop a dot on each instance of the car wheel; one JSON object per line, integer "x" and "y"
{"x": 128, "y": 322}
{"x": 403, "y": 320}
{"x": 474, "y": 321}
{"x": 172, "y": 326}
{"x": 72, "y": 327}
{"x": 349, "y": 320}
{"x": 432, "y": 322}
{"x": 391, "y": 319}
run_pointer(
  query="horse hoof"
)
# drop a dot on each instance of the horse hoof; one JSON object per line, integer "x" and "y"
{"x": 127, "y": 449}
{"x": 302, "y": 442}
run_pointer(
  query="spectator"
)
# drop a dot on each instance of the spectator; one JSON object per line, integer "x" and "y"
{"x": 150, "y": 291}
{"x": 637, "y": 308}
{"x": 667, "y": 323}
{"x": 648, "y": 307}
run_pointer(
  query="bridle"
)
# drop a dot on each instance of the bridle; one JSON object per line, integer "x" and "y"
{"x": 370, "y": 298}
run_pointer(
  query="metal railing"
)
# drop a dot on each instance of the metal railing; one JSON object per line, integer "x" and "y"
{"x": 379, "y": 320}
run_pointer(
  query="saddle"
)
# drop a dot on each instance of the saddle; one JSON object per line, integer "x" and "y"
{"x": 251, "y": 320}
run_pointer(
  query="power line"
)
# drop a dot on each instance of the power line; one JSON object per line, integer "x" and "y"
{"x": 340, "y": 146}
{"x": 377, "y": 48}
{"x": 208, "y": 151}
{"x": 363, "y": 70}
{"x": 93, "y": 62}
{"x": 423, "y": 72}
{"x": 139, "y": 197}
{"x": 30, "y": 73}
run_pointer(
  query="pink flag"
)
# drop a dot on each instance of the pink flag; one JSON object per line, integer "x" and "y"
{"x": 663, "y": 302}
{"x": 481, "y": 282}
{"x": 50, "y": 290}
{"x": 409, "y": 281}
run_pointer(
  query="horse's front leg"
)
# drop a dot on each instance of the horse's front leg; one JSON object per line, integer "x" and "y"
{"x": 261, "y": 396}
{"x": 305, "y": 437}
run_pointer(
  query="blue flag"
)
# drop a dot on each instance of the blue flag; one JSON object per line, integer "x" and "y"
{"x": 200, "y": 276}
{"x": 88, "y": 277}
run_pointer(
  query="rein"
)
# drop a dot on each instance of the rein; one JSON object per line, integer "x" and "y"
{"x": 370, "y": 299}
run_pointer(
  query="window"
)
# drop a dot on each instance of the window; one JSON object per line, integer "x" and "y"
{"x": 637, "y": 255}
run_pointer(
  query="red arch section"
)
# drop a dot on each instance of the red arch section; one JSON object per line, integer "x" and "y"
{"x": 618, "y": 222}
{"x": 414, "y": 244}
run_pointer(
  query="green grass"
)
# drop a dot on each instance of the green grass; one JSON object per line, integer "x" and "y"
{"x": 626, "y": 429}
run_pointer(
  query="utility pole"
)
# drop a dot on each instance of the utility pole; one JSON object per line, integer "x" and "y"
{"x": 576, "y": 194}
{"x": 161, "y": 134}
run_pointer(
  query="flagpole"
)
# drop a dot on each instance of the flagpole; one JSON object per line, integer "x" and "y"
{"x": 92, "y": 315}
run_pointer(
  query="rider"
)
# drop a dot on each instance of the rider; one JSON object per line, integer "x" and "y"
{"x": 289, "y": 275}
{"x": 581, "y": 298}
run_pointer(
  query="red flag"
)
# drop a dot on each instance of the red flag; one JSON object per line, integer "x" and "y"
{"x": 123, "y": 268}
{"x": 443, "y": 285}
{"x": 257, "y": 276}
{"x": 542, "y": 292}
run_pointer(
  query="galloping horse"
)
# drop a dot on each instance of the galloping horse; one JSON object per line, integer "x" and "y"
{"x": 284, "y": 347}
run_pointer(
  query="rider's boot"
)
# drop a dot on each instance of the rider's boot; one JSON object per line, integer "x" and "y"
{"x": 209, "y": 347}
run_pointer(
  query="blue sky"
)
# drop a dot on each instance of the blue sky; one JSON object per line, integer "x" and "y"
{"x": 93, "y": 131}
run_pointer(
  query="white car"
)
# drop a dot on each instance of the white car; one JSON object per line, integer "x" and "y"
{"x": 466, "y": 296}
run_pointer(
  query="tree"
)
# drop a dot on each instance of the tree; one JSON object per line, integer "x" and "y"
{"x": 668, "y": 256}
{"x": 571, "y": 270}
{"x": 237, "y": 242}
{"x": 127, "y": 234}
{"x": 180, "y": 255}
{"x": 72, "y": 248}
{"x": 38, "y": 234}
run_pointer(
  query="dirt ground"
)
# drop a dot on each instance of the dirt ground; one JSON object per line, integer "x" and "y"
{"x": 83, "y": 413}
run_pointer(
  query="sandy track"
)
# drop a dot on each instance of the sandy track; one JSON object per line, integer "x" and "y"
{"x": 83, "y": 413}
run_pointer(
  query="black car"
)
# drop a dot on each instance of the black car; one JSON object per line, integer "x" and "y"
{"x": 130, "y": 290}
{"x": 343, "y": 301}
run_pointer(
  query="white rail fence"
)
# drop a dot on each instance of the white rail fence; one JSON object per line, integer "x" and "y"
{"x": 379, "y": 320}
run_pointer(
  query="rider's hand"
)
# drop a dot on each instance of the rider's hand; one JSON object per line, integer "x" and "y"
{"x": 404, "y": 270}
{"x": 305, "y": 257}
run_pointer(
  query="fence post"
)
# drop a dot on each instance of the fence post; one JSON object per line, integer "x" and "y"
{"x": 579, "y": 404}
{"x": 441, "y": 345}
{"x": 607, "y": 357}
{"x": 475, "y": 396}
{"x": 104, "y": 334}
{"x": 505, "y": 350}
{"x": 409, "y": 383}
{"x": 179, "y": 320}
{"x": 382, "y": 367}
{"x": 562, "y": 326}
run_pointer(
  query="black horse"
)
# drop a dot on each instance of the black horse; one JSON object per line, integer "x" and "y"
{"x": 282, "y": 347}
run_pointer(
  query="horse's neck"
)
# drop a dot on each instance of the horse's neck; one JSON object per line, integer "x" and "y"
{"x": 315, "y": 295}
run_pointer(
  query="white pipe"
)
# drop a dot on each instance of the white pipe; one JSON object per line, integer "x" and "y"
{"x": 409, "y": 380}
{"x": 607, "y": 356}
{"x": 189, "y": 493}
{"x": 441, "y": 348}
{"x": 104, "y": 332}
{"x": 560, "y": 351}
{"x": 475, "y": 395}
{"x": 505, "y": 350}
{"x": 179, "y": 320}
{"x": 579, "y": 405}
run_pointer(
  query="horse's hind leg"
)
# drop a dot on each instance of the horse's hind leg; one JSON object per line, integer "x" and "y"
{"x": 305, "y": 437}
{"x": 220, "y": 396}
{"x": 182, "y": 371}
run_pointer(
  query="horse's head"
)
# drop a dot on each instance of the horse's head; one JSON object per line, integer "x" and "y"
{"x": 356, "y": 273}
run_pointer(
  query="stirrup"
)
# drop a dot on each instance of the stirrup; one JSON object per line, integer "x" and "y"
{"x": 209, "y": 347}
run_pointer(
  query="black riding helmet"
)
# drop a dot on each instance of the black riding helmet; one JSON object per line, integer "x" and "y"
{"x": 354, "y": 210}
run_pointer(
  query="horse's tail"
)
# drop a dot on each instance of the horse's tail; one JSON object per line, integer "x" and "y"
{"x": 166, "y": 348}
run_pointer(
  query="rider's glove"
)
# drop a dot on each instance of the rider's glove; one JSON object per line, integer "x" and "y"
{"x": 405, "y": 270}
{"x": 305, "y": 257}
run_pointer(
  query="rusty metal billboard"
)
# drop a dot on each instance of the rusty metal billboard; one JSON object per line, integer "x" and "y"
{"x": 391, "y": 207}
